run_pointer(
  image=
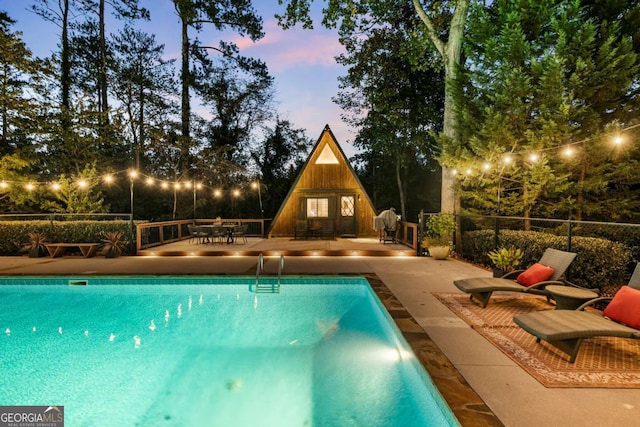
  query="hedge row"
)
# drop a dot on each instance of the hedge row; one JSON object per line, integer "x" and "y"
{"x": 601, "y": 263}
{"x": 14, "y": 235}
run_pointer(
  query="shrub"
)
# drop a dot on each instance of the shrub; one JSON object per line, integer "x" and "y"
{"x": 601, "y": 263}
{"x": 14, "y": 235}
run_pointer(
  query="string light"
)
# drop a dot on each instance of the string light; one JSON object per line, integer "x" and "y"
{"x": 568, "y": 151}
{"x": 110, "y": 178}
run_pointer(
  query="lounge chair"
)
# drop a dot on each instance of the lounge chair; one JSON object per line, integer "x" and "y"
{"x": 482, "y": 288}
{"x": 566, "y": 329}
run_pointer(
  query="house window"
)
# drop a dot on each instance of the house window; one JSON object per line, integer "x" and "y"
{"x": 317, "y": 208}
{"x": 327, "y": 157}
{"x": 347, "y": 206}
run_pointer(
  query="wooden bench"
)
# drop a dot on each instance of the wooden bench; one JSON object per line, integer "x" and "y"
{"x": 58, "y": 249}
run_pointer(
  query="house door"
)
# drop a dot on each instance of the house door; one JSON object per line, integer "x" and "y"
{"x": 347, "y": 216}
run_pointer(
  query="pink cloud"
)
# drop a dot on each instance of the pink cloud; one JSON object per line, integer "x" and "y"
{"x": 282, "y": 49}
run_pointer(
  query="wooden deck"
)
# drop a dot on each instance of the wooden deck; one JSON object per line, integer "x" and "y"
{"x": 282, "y": 246}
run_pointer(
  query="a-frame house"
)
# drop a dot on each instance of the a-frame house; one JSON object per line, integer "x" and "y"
{"x": 326, "y": 193}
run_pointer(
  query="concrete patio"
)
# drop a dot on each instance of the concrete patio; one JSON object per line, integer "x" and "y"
{"x": 514, "y": 396}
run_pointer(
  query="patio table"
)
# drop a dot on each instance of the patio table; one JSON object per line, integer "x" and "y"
{"x": 228, "y": 229}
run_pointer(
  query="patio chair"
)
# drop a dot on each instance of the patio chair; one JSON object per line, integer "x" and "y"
{"x": 218, "y": 233}
{"x": 537, "y": 278}
{"x": 302, "y": 229}
{"x": 327, "y": 229}
{"x": 196, "y": 233}
{"x": 240, "y": 232}
{"x": 566, "y": 329}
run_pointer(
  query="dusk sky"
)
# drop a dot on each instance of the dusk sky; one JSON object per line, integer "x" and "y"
{"x": 301, "y": 61}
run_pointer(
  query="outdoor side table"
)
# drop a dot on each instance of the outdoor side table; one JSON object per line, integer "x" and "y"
{"x": 568, "y": 297}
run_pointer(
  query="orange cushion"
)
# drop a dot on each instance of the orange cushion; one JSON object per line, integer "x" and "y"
{"x": 625, "y": 307}
{"x": 534, "y": 274}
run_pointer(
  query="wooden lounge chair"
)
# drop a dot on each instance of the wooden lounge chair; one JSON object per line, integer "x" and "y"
{"x": 566, "y": 329}
{"x": 481, "y": 288}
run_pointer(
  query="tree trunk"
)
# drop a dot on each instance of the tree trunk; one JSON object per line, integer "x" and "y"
{"x": 450, "y": 51}
{"x": 65, "y": 68}
{"x": 580, "y": 195}
{"x": 401, "y": 192}
{"x": 527, "y": 209}
{"x": 102, "y": 76}
{"x": 141, "y": 126}
{"x": 5, "y": 118}
{"x": 186, "y": 106}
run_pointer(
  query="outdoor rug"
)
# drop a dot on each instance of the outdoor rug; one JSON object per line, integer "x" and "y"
{"x": 602, "y": 362}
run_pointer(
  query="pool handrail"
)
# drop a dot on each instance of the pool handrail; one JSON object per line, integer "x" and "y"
{"x": 259, "y": 268}
{"x": 280, "y": 269}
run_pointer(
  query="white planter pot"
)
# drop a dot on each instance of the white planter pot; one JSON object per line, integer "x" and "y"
{"x": 439, "y": 252}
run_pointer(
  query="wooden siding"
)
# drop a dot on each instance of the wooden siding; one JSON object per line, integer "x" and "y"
{"x": 325, "y": 181}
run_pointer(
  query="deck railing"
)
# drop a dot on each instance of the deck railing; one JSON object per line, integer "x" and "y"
{"x": 152, "y": 234}
{"x": 407, "y": 234}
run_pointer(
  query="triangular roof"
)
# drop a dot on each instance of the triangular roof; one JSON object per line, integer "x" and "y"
{"x": 326, "y": 151}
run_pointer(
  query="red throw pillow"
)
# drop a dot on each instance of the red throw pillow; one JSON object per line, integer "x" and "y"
{"x": 625, "y": 307}
{"x": 534, "y": 274}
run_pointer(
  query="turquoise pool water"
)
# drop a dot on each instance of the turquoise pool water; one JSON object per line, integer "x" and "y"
{"x": 207, "y": 351}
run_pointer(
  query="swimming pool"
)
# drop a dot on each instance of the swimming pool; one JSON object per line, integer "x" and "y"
{"x": 207, "y": 351}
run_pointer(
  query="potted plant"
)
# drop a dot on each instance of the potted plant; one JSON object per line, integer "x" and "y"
{"x": 505, "y": 260}
{"x": 114, "y": 243}
{"x": 438, "y": 240}
{"x": 37, "y": 245}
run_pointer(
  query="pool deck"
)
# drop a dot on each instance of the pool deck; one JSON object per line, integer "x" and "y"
{"x": 515, "y": 397}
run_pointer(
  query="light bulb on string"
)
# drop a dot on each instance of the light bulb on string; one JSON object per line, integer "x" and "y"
{"x": 568, "y": 152}
{"x": 618, "y": 140}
